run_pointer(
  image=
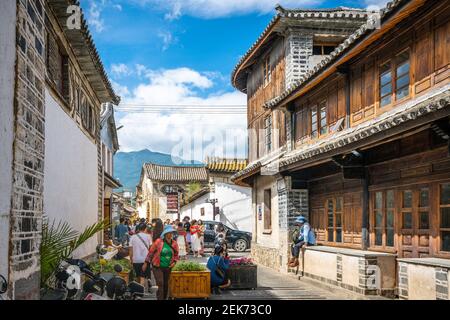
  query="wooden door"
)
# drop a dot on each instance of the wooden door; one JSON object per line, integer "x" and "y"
{"x": 415, "y": 225}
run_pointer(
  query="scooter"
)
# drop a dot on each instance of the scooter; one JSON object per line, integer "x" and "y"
{"x": 3, "y": 287}
{"x": 67, "y": 280}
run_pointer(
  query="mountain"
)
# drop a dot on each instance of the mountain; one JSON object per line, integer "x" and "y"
{"x": 128, "y": 165}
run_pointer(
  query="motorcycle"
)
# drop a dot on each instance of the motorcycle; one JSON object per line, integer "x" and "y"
{"x": 67, "y": 284}
{"x": 3, "y": 286}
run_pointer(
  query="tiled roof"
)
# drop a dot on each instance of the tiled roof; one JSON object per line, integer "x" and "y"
{"x": 176, "y": 173}
{"x": 225, "y": 165}
{"x": 298, "y": 14}
{"x": 85, "y": 51}
{"x": 338, "y": 52}
{"x": 250, "y": 169}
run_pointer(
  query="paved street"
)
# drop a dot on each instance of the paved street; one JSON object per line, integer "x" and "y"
{"x": 276, "y": 286}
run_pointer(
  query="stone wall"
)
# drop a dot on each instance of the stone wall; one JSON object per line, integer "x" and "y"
{"x": 28, "y": 151}
{"x": 7, "y": 77}
{"x": 299, "y": 48}
{"x": 423, "y": 282}
{"x": 269, "y": 257}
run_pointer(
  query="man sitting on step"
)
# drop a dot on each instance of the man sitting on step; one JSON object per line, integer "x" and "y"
{"x": 303, "y": 236}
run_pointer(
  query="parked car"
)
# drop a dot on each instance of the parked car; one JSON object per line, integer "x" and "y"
{"x": 236, "y": 239}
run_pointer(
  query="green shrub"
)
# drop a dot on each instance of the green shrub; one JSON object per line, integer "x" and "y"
{"x": 109, "y": 266}
{"x": 189, "y": 266}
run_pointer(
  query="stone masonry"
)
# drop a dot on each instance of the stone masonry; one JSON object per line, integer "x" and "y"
{"x": 28, "y": 151}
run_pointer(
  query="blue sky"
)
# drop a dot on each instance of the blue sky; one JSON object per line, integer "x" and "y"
{"x": 178, "y": 52}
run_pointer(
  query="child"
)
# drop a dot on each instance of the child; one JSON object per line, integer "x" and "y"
{"x": 181, "y": 240}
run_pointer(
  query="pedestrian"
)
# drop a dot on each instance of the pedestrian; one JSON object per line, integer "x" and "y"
{"x": 218, "y": 264}
{"x": 195, "y": 238}
{"x": 201, "y": 235}
{"x": 181, "y": 240}
{"x": 121, "y": 232}
{"x": 167, "y": 223}
{"x": 302, "y": 237}
{"x": 187, "y": 228}
{"x": 140, "y": 244}
{"x": 157, "y": 229}
{"x": 162, "y": 256}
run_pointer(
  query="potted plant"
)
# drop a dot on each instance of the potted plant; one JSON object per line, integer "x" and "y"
{"x": 189, "y": 280}
{"x": 243, "y": 274}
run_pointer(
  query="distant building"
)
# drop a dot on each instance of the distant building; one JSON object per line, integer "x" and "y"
{"x": 234, "y": 204}
{"x": 110, "y": 145}
{"x": 162, "y": 188}
{"x": 52, "y": 86}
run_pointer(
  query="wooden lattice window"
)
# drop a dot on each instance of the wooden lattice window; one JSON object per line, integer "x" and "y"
{"x": 334, "y": 208}
{"x": 444, "y": 209}
{"x": 383, "y": 218}
{"x": 267, "y": 209}
{"x": 395, "y": 79}
{"x": 267, "y": 71}
{"x": 268, "y": 133}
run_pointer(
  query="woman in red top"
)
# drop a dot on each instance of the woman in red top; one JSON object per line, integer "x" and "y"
{"x": 162, "y": 255}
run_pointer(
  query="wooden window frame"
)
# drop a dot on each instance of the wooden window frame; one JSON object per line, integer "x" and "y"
{"x": 334, "y": 228}
{"x": 268, "y": 128}
{"x": 383, "y": 210}
{"x": 323, "y": 106}
{"x": 314, "y": 132}
{"x": 267, "y": 214}
{"x": 394, "y": 65}
{"x": 267, "y": 71}
{"x": 440, "y": 229}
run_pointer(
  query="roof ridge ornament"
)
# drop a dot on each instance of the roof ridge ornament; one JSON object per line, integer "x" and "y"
{"x": 280, "y": 10}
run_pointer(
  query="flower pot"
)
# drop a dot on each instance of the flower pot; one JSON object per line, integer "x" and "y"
{"x": 243, "y": 276}
{"x": 190, "y": 285}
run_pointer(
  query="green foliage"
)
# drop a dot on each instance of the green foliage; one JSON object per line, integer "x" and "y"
{"x": 192, "y": 188}
{"x": 109, "y": 266}
{"x": 189, "y": 266}
{"x": 59, "y": 241}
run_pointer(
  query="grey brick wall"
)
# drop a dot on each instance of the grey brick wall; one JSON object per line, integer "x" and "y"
{"x": 28, "y": 151}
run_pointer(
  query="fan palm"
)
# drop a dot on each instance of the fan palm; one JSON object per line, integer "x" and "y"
{"x": 59, "y": 241}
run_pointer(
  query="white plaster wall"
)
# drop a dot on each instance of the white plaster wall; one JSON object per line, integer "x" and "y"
{"x": 7, "y": 74}
{"x": 235, "y": 205}
{"x": 268, "y": 240}
{"x": 71, "y": 173}
{"x": 193, "y": 209}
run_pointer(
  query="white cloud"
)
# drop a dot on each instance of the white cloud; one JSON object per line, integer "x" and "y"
{"x": 375, "y": 4}
{"x": 189, "y": 136}
{"x": 120, "y": 70}
{"x": 222, "y": 8}
{"x": 167, "y": 38}
{"x": 94, "y": 16}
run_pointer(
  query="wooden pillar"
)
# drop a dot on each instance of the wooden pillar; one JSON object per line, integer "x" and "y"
{"x": 365, "y": 211}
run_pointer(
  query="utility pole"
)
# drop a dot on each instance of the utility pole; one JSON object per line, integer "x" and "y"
{"x": 213, "y": 202}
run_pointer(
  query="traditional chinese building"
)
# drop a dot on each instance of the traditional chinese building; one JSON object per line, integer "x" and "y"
{"x": 362, "y": 151}
{"x": 52, "y": 87}
{"x": 222, "y": 200}
{"x": 161, "y": 189}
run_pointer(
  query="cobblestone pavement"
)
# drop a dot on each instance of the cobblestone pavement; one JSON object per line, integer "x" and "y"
{"x": 276, "y": 286}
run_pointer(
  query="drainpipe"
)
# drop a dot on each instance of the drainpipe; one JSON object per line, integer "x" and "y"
{"x": 347, "y": 99}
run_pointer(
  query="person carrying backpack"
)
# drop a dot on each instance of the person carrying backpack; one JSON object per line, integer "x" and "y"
{"x": 303, "y": 236}
{"x": 140, "y": 243}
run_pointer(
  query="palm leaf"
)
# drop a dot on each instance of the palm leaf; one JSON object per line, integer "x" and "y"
{"x": 59, "y": 241}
